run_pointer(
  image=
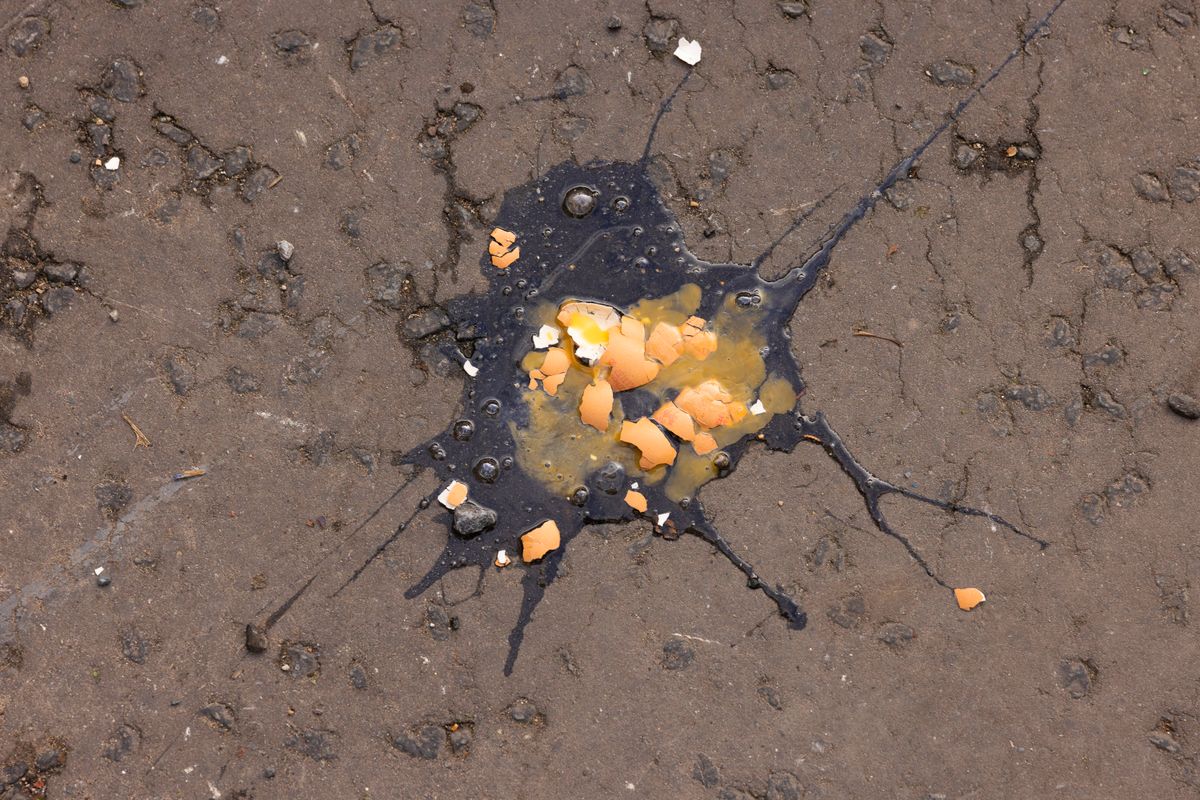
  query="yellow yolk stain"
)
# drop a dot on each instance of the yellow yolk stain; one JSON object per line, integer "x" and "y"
{"x": 704, "y": 374}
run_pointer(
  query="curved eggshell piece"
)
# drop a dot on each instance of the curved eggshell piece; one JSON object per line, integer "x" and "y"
{"x": 968, "y": 598}
{"x": 655, "y": 447}
{"x": 539, "y": 541}
{"x": 595, "y": 407}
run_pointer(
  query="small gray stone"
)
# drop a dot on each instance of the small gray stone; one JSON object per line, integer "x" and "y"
{"x": 770, "y": 696}
{"x": 571, "y": 82}
{"x": 1145, "y": 263}
{"x": 1075, "y": 677}
{"x": 461, "y": 735}
{"x": 875, "y": 48}
{"x": 259, "y": 181}
{"x": 423, "y": 743}
{"x": 1164, "y": 741}
{"x": 122, "y": 81}
{"x": 23, "y": 279}
{"x": 180, "y": 375}
{"x": 220, "y": 715}
{"x": 1185, "y": 183}
{"x": 1149, "y": 187}
{"x": 241, "y": 381}
{"x": 660, "y": 33}
{"x": 313, "y": 743}
{"x": 965, "y": 156}
{"x": 206, "y": 17}
{"x": 784, "y": 786}
{"x": 472, "y": 519}
{"x": 369, "y": 46}
{"x": 426, "y": 323}
{"x": 479, "y": 19}
{"x": 201, "y": 163}
{"x": 523, "y": 711}
{"x": 294, "y": 46}
{"x": 57, "y": 300}
{"x": 358, "y": 677}
{"x": 851, "y": 611}
{"x": 392, "y": 285}
{"x": 134, "y": 646}
{"x": 1104, "y": 401}
{"x": 1178, "y": 264}
{"x": 677, "y": 655}
{"x": 1178, "y": 16}
{"x": 705, "y": 772}
{"x": 896, "y": 635}
{"x": 1185, "y": 405}
{"x": 236, "y": 160}
{"x": 1124, "y": 491}
{"x": 27, "y": 34}
{"x": 301, "y": 659}
{"x": 33, "y": 117}
{"x": 256, "y": 639}
{"x": 794, "y": 10}
{"x": 124, "y": 742}
{"x": 1093, "y": 507}
{"x": 950, "y": 73}
{"x": 780, "y": 79}
{"x": 342, "y": 152}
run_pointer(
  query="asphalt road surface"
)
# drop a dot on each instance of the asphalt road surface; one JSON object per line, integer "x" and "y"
{"x": 1014, "y": 327}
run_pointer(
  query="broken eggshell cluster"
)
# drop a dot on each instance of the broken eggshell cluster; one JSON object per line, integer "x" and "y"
{"x": 604, "y": 355}
{"x": 614, "y": 374}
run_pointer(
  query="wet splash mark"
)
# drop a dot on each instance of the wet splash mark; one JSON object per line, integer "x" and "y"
{"x": 613, "y": 374}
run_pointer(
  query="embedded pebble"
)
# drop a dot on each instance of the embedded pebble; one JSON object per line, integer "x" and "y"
{"x": 369, "y": 46}
{"x": 423, "y": 743}
{"x": 122, "y": 81}
{"x": 220, "y": 715}
{"x": 1185, "y": 405}
{"x": 677, "y": 654}
{"x": 27, "y": 34}
{"x": 950, "y": 73}
{"x": 1149, "y": 187}
{"x": 660, "y": 33}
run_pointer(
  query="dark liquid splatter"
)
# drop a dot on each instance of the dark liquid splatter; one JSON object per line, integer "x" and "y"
{"x": 601, "y": 233}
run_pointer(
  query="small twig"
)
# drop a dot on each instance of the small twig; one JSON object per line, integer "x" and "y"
{"x": 877, "y": 336}
{"x": 141, "y": 440}
{"x": 194, "y": 472}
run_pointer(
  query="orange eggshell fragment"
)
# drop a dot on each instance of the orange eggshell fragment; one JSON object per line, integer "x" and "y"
{"x": 539, "y": 541}
{"x": 665, "y": 344}
{"x": 595, "y": 406}
{"x": 653, "y": 444}
{"x": 453, "y": 495}
{"x": 968, "y": 598}
{"x": 496, "y": 249}
{"x": 552, "y": 372}
{"x": 697, "y": 342}
{"x": 506, "y": 260}
{"x": 626, "y": 355}
{"x": 704, "y": 443}
{"x": 552, "y": 382}
{"x": 605, "y": 316}
{"x": 633, "y": 328}
{"x": 636, "y": 501}
{"x": 556, "y": 361}
{"x": 677, "y": 421}
{"x": 707, "y": 403}
{"x": 505, "y": 238}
